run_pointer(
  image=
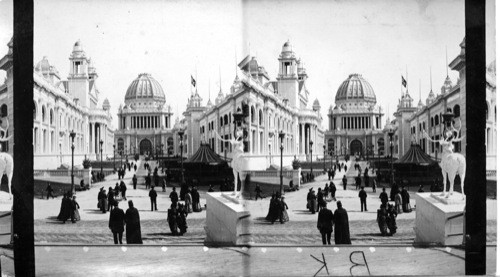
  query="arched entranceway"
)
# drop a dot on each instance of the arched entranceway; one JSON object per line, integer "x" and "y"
{"x": 356, "y": 147}
{"x": 145, "y": 146}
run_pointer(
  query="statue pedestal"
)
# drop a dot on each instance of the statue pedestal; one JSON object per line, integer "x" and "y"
{"x": 439, "y": 220}
{"x": 228, "y": 223}
{"x": 297, "y": 176}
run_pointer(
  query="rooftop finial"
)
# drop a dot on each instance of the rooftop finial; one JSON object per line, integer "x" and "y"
{"x": 220, "y": 81}
{"x": 430, "y": 75}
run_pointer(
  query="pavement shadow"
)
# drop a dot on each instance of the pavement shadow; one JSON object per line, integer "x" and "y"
{"x": 161, "y": 234}
{"x": 302, "y": 212}
{"x": 94, "y": 212}
{"x": 158, "y": 211}
{"x": 371, "y": 235}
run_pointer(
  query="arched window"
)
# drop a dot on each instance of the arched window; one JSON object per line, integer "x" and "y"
{"x": 487, "y": 111}
{"x": 51, "y": 117}
{"x": 226, "y": 120}
{"x": 252, "y": 114}
{"x": 331, "y": 146}
{"x": 432, "y": 122}
{"x": 260, "y": 117}
{"x": 34, "y": 111}
{"x": 4, "y": 111}
{"x": 456, "y": 111}
{"x": 120, "y": 144}
{"x": 436, "y": 120}
{"x": 221, "y": 121}
{"x": 43, "y": 114}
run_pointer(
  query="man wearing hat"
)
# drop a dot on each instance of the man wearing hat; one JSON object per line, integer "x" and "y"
{"x": 325, "y": 223}
{"x": 116, "y": 222}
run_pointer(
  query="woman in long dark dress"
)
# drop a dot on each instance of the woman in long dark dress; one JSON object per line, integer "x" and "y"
{"x": 268, "y": 216}
{"x": 133, "y": 227}
{"x": 172, "y": 218}
{"x": 341, "y": 221}
{"x": 181, "y": 220}
{"x": 66, "y": 209}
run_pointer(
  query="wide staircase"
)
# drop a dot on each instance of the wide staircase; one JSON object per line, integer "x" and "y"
{"x": 352, "y": 172}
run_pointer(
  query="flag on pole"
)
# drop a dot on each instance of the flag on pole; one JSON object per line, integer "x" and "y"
{"x": 193, "y": 81}
{"x": 403, "y": 81}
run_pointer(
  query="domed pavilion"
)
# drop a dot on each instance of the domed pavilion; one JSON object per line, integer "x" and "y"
{"x": 145, "y": 124}
{"x": 355, "y": 121}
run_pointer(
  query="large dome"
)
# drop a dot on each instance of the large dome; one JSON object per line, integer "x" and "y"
{"x": 145, "y": 87}
{"x": 355, "y": 88}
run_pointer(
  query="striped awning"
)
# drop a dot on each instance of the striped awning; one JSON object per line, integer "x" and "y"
{"x": 416, "y": 155}
{"x": 205, "y": 155}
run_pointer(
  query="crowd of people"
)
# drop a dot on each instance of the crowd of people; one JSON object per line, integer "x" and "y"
{"x": 316, "y": 200}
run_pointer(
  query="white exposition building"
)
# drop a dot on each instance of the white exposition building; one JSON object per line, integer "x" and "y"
{"x": 145, "y": 119}
{"x": 272, "y": 106}
{"x": 410, "y": 120}
{"x": 355, "y": 126}
{"x": 62, "y": 106}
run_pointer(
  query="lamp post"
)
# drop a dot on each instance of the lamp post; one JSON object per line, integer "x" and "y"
{"x": 72, "y": 135}
{"x": 324, "y": 158}
{"x": 311, "y": 152}
{"x": 100, "y": 149}
{"x": 181, "y": 136}
{"x": 391, "y": 134}
{"x": 121, "y": 157}
{"x": 281, "y": 136}
{"x": 114, "y": 166}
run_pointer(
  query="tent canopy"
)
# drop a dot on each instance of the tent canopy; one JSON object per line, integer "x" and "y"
{"x": 205, "y": 155}
{"x": 417, "y": 156}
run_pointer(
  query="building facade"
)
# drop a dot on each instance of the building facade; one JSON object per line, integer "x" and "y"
{"x": 355, "y": 126}
{"x": 63, "y": 106}
{"x": 410, "y": 121}
{"x": 269, "y": 107}
{"x": 145, "y": 119}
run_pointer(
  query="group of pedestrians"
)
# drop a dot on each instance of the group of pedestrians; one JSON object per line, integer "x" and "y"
{"x": 106, "y": 201}
{"x": 277, "y": 209}
{"x": 130, "y": 219}
{"x": 317, "y": 200}
{"x": 177, "y": 219}
{"x": 339, "y": 219}
{"x": 69, "y": 208}
{"x": 386, "y": 215}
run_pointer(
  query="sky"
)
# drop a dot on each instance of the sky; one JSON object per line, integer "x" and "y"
{"x": 172, "y": 40}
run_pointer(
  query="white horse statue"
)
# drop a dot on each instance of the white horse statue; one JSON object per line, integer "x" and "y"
{"x": 6, "y": 161}
{"x": 451, "y": 163}
{"x": 237, "y": 160}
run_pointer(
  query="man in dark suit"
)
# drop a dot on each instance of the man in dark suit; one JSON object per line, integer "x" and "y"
{"x": 116, "y": 222}
{"x": 152, "y": 196}
{"x": 344, "y": 182}
{"x": 362, "y": 196}
{"x": 325, "y": 224}
{"x": 383, "y": 197}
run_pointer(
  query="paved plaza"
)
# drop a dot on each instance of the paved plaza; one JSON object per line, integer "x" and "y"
{"x": 301, "y": 229}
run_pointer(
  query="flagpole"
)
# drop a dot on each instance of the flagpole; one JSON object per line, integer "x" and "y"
{"x": 406, "y": 78}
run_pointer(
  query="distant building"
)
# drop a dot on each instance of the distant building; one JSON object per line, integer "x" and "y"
{"x": 355, "y": 126}
{"x": 271, "y": 107}
{"x": 145, "y": 120}
{"x": 61, "y": 106}
{"x": 410, "y": 121}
